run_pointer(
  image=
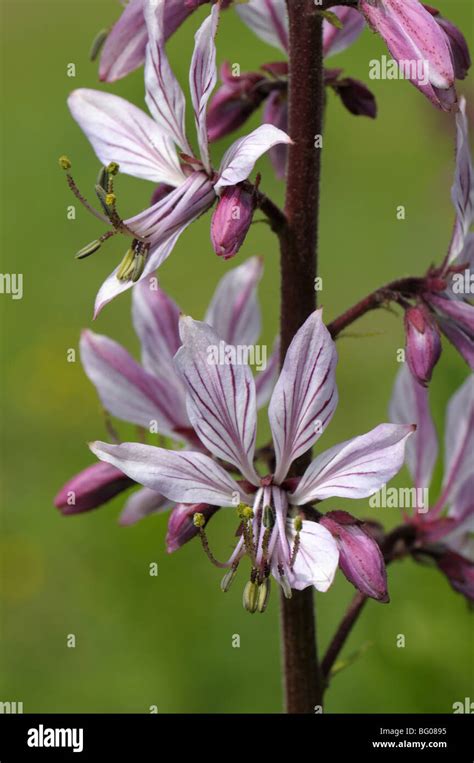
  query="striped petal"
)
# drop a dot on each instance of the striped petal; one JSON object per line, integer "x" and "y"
{"x": 120, "y": 132}
{"x": 180, "y": 476}
{"x": 409, "y": 405}
{"x": 305, "y": 396}
{"x": 221, "y": 396}
{"x": 234, "y": 311}
{"x": 356, "y": 468}
{"x": 203, "y": 77}
{"x": 239, "y": 160}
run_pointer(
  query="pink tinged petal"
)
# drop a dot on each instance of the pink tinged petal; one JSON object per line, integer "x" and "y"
{"x": 240, "y": 158}
{"x": 142, "y": 503}
{"x": 265, "y": 380}
{"x": 462, "y": 313}
{"x": 356, "y": 468}
{"x": 112, "y": 286}
{"x": 234, "y": 311}
{"x": 125, "y": 389}
{"x": 268, "y": 19}
{"x": 91, "y": 488}
{"x": 120, "y": 132}
{"x": 459, "y": 441}
{"x": 276, "y": 113}
{"x": 156, "y": 322}
{"x": 124, "y": 49}
{"x": 463, "y": 343}
{"x": 423, "y": 343}
{"x": 231, "y": 220}
{"x": 409, "y": 404}
{"x": 462, "y": 192}
{"x": 181, "y": 527}
{"x": 336, "y": 40}
{"x": 463, "y": 504}
{"x": 221, "y": 397}
{"x": 412, "y": 34}
{"x": 233, "y": 102}
{"x": 164, "y": 95}
{"x": 162, "y": 225}
{"x": 360, "y": 557}
{"x": 181, "y": 476}
{"x": 317, "y": 558}
{"x": 459, "y": 572}
{"x": 173, "y": 213}
{"x": 203, "y": 77}
{"x": 457, "y": 44}
{"x": 305, "y": 396}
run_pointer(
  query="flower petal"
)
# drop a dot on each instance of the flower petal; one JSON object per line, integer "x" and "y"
{"x": 234, "y": 311}
{"x": 141, "y": 504}
{"x": 156, "y": 322}
{"x": 335, "y": 40}
{"x": 203, "y": 77}
{"x": 181, "y": 476}
{"x": 462, "y": 192}
{"x": 356, "y": 468}
{"x": 239, "y": 160}
{"x": 317, "y": 558}
{"x": 125, "y": 47}
{"x": 126, "y": 390}
{"x": 164, "y": 95}
{"x": 305, "y": 396}
{"x": 161, "y": 225}
{"x": 459, "y": 441}
{"x": 268, "y": 19}
{"x": 221, "y": 396}
{"x": 265, "y": 380}
{"x": 120, "y": 132}
{"x": 409, "y": 405}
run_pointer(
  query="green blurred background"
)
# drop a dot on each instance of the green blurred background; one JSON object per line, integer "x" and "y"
{"x": 167, "y": 640}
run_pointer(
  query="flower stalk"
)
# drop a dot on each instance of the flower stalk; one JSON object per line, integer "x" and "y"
{"x": 302, "y": 677}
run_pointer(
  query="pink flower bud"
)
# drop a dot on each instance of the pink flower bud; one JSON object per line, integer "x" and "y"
{"x": 91, "y": 488}
{"x": 418, "y": 43}
{"x": 181, "y": 527}
{"x": 231, "y": 220}
{"x": 360, "y": 557}
{"x": 423, "y": 343}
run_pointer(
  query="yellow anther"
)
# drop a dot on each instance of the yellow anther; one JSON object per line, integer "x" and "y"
{"x": 113, "y": 168}
{"x": 65, "y": 163}
{"x": 199, "y": 520}
{"x": 110, "y": 199}
{"x": 298, "y": 524}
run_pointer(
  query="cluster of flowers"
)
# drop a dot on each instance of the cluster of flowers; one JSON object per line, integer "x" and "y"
{"x": 211, "y": 410}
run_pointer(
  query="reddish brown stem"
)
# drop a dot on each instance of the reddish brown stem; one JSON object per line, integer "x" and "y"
{"x": 298, "y": 242}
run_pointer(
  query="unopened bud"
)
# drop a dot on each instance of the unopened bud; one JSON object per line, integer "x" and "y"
{"x": 231, "y": 220}
{"x": 423, "y": 344}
